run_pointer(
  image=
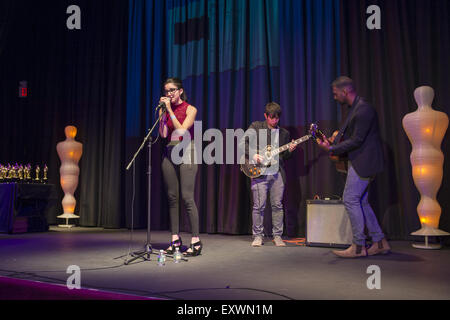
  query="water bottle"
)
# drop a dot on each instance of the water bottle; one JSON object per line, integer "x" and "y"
{"x": 177, "y": 255}
{"x": 161, "y": 258}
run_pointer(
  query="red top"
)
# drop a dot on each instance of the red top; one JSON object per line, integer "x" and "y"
{"x": 180, "y": 114}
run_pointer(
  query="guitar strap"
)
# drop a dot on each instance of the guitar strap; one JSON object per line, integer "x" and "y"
{"x": 347, "y": 120}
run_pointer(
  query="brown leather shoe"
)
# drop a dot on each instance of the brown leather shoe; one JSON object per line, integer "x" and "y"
{"x": 353, "y": 251}
{"x": 380, "y": 247}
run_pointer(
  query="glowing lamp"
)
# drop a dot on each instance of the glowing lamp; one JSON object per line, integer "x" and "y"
{"x": 69, "y": 152}
{"x": 426, "y": 128}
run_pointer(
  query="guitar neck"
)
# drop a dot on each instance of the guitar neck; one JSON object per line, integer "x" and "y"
{"x": 286, "y": 146}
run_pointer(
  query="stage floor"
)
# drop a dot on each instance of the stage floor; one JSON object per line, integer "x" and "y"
{"x": 228, "y": 269}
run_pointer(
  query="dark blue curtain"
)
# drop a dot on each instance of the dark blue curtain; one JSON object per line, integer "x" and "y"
{"x": 233, "y": 58}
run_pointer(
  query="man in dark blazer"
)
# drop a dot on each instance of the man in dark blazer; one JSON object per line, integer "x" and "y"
{"x": 359, "y": 141}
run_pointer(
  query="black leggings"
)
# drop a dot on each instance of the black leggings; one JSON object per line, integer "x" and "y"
{"x": 183, "y": 174}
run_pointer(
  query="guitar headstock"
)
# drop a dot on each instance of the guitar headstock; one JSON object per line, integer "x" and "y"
{"x": 316, "y": 133}
{"x": 314, "y": 130}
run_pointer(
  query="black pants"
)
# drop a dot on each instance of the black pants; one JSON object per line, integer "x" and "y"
{"x": 175, "y": 176}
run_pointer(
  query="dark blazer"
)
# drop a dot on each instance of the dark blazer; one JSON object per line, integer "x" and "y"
{"x": 361, "y": 140}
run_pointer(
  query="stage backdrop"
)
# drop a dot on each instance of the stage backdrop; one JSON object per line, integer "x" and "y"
{"x": 233, "y": 57}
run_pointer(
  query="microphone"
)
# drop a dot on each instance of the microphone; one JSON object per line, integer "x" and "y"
{"x": 161, "y": 105}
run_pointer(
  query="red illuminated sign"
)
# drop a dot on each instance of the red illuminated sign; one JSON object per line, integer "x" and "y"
{"x": 23, "y": 89}
{"x": 23, "y": 92}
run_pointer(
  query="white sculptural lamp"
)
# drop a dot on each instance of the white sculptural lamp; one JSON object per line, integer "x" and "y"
{"x": 69, "y": 152}
{"x": 426, "y": 128}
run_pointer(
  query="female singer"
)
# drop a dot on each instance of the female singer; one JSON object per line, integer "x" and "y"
{"x": 179, "y": 117}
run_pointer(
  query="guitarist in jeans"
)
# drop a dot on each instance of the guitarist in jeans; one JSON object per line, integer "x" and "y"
{"x": 274, "y": 177}
{"x": 359, "y": 140}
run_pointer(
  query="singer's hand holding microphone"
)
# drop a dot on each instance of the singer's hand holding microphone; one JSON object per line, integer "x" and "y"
{"x": 164, "y": 104}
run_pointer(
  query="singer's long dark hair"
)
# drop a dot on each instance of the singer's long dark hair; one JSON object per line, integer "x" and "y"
{"x": 177, "y": 82}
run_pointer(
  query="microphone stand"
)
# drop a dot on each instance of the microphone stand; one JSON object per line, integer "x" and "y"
{"x": 145, "y": 254}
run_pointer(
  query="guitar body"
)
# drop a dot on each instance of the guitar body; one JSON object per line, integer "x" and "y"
{"x": 252, "y": 170}
{"x": 255, "y": 170}
{"x": 339, "y": 162}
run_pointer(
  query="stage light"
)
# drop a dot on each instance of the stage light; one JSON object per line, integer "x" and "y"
{"x": 69, "y": 151}
{"x": 427, "y": 161}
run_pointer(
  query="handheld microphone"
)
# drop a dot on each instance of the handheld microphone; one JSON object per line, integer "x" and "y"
{"x": 161, "y": 105}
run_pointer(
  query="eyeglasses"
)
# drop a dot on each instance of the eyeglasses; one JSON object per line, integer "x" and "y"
{"x": 170, "y": 91}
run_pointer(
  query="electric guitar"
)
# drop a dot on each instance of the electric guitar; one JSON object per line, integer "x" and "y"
{"x": 255, "y": 170}
{"x": 339, "y": 161}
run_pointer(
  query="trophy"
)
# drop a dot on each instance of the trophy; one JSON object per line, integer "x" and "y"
{"x": 45, "y": 173}
{"x": 2, "y": 176}
{"x": 25, "y": 173}
{"x": 20, "y": 172}
{"x": 10, "y": 172}
{"x": 15, "y": 171}
{"x": 28, "y": 172}
{"x": 37, "y": 173}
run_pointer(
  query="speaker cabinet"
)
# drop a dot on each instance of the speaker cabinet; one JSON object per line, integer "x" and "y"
{"x": 327, "y": 224}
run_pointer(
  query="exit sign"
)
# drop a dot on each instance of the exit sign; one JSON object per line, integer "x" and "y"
{"x": 23, "y": 89}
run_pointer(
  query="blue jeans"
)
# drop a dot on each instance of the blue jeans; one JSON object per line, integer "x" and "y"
{"x": 356, "y": 202}
{"x": 260, "y": 187}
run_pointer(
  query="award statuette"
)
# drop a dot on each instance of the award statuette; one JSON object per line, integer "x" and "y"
{"x": 10, "y": 172}
{"x": 25, "y": 173}
{"x": 28, "y": 172}
{"x": 15, "y": 172}
{"x": 45, "y": 179}
{"x": 37, "y": 173}
{"x": 20, "y": 172}
{"x": 2, "y": 174}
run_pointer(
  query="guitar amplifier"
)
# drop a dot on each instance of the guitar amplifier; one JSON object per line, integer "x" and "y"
{"x": 327, "y": 224}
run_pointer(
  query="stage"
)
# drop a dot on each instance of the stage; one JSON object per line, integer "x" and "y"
{"x": 228, "y": 269}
